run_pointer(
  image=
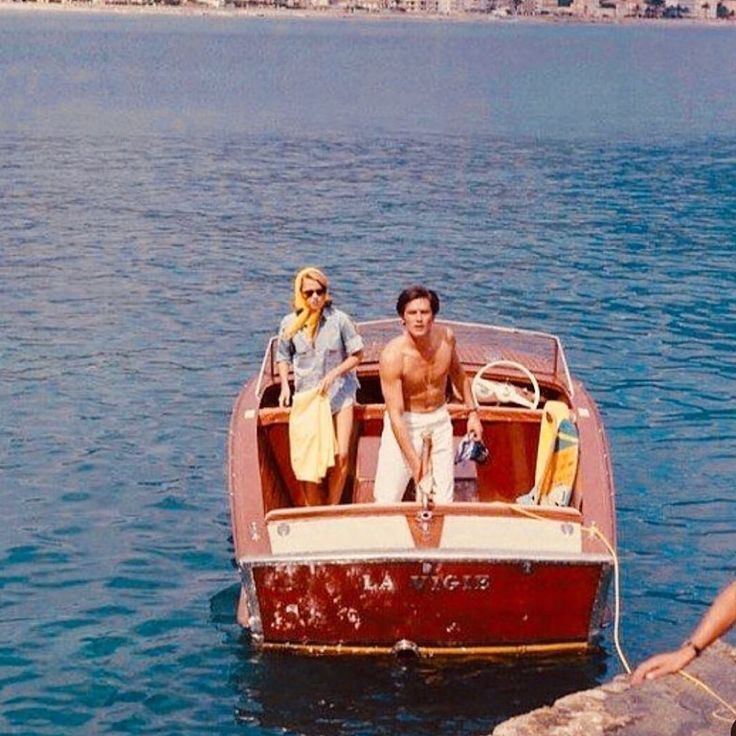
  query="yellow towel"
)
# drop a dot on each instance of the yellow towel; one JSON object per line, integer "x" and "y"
{"x": 311, "y": 436}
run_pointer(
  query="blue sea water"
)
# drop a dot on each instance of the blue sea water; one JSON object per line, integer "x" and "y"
{"x": 163, "y": 177}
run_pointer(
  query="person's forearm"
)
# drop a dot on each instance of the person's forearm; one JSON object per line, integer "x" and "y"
{"x": 352, "y": 361}
{"x": 463, "y": 387}
{"x": 467, "y": 394}
{"x": 475, "y": 427}
{"x": 285, "y": 392}
{"x": 283, "y": 369}
{"x": 718, "y": 619}
{"x": 404, "y": 440}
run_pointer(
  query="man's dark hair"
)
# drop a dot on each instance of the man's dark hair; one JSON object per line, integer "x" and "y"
{"x": 417, "y": 292}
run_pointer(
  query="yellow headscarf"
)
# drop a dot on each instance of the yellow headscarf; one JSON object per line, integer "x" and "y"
{"x": 305, "y": 317}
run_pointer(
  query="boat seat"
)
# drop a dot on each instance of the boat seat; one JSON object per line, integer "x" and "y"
{"x": 466, "y": 478}
{"x": 365, "y": 469}
{"x": 366, "y": 462}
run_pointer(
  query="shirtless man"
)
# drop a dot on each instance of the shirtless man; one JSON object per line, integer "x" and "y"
{"x": 414, "y": 369}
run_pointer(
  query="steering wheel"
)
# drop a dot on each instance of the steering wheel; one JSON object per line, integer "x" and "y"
{"x": 486, "y": 390}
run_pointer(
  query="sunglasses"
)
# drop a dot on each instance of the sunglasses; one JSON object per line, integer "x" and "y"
{"x": 309, "y": 293}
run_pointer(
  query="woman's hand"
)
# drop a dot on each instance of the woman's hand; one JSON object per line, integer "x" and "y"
{"x": 285, "y": 395}
{"x": 326, "y": 383}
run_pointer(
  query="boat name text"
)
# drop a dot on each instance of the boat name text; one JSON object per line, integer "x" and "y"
{"x": 385, "y": 585}
{"x": 437, "y": 583}
{"x": 428, "y": 583}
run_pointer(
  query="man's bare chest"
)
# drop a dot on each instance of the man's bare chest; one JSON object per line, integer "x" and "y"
{"x": 426, "y": 370}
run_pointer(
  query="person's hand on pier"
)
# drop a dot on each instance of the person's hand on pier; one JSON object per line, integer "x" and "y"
{"x": 663, "y": 664}
{"x": 718, "y": 619}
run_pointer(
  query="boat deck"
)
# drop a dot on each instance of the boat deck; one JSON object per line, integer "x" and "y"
{"x": 512, "y": 435}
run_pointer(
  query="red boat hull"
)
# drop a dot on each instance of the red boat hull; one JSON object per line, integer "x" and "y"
{"x": 443, "y": 605}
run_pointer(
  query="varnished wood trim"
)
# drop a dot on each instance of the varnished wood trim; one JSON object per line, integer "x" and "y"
{"x": 494, "y": 508}
{"x": 426, "y": 652}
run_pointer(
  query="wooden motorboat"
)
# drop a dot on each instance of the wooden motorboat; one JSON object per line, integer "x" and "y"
{"x": 482, "y": 575}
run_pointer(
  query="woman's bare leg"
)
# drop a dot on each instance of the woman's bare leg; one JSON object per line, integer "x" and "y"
{"x": 314, "y": 493}
{"x": 343, "y": 431}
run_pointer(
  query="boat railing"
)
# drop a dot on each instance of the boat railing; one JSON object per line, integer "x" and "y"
{"x": 269, "y": 360}
{"x": 457, "y": 508}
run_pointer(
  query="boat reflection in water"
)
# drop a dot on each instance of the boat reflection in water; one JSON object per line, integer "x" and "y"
{"x": 341, "y": 696}
{"x": 519, "y": 563}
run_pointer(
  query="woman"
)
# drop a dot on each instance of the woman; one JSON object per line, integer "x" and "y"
{"x": 322, "y": 345}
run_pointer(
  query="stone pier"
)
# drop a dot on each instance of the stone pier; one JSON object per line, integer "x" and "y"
{"x": 670, "y": 706}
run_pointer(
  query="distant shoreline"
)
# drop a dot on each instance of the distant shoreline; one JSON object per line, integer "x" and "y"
{"x": 193, "y": 9}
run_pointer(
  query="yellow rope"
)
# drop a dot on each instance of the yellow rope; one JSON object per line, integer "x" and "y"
{"x": 710, "y": 691}
{"x": 616, "y": 595}
{"x": 616, "y": 586}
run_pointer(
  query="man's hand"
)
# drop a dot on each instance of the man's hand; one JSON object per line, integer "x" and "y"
{"x": 718, "y": 619}
{"x": 663, "y": 664}
{"x": 475, "y": 427}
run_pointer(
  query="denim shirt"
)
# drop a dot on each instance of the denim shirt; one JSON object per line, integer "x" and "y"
{"x": 336, "y": 339}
